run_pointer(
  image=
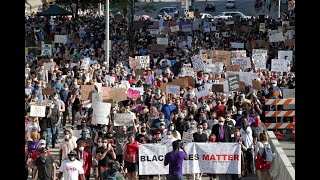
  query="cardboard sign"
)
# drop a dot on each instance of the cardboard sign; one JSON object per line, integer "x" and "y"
{"x": 142, "y": 62}
{"x": 119, "y": 94}
{"x": 41, "y": 102}
{"x": 282, "y": 54}
{"x": 220, "y": 56}
{"x": 60, "y": 39}
{"x": 244, "y": 63}
{"x": 101, "y": 111}
{"x": 123, "y": 119}
{"x": 170, "y": 89}
{"x": 242, "y": 86}
{"x": 85, "y": 64}
{"x": 86, "y": 92}
{"x": 46, "y": 49}
{"x": 217, "y": 88}
{"x": 234, "y": 82}
{"x": 163, "y": 41}
{"x": 216, "y": 67}
{"x": 289, "y": 42}
{"x": 133, "y": 94}
{"x": 256, "y": 85}
{"x": 106, "y": 93}
{"x": 48, "y": 91}
{"x": 233, "y": 68}
{"x": 279, "y": 65}
{"x": 237, "y": 45}
{"x": 37, "y": 111}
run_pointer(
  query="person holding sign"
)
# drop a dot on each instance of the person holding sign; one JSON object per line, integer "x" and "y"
{"x": 175, "y": 160}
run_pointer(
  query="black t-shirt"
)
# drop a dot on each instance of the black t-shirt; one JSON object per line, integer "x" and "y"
{"x": 44, "y": 168}
{"x": 89, "y": 142}
{"x": 200, "y": 137}
{"x": 103, "y": 162}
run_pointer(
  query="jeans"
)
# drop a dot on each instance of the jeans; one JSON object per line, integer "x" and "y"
{"x": 48, "y": 139}
{"x": 175, "y": 177}
{"x": 56, "y": 132}
{"x": 249, "y": 161}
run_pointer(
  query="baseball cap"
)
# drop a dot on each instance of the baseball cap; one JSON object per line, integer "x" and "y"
{"x": 73, "y": 152}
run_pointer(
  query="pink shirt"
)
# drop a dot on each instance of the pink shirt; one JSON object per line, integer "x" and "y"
{"x": 66, "y": 147}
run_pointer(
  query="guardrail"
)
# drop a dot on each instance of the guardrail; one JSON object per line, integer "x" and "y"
{"x": 281, "y": 167}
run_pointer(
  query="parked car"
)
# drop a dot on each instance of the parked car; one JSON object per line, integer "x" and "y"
{"x": 168, "y": 10}
{"x": 210, "y": 7}
{"x": 232, "y": 14}
{"x": 230, "y": 4}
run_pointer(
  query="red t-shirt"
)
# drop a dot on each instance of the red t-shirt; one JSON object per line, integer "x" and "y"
{"x": 132, "y": 149}
{"x": 34, "y": 154}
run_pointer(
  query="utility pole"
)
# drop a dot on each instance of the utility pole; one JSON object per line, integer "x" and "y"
{"x": 107, "y": 35}
{"x": 279, "y": 13}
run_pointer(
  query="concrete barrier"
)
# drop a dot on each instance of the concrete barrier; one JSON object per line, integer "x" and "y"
{"x": 281, "y": 168}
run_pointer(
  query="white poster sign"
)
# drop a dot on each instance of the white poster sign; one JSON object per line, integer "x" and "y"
{"x": 99, "y": 86}
{"x": 60, "y": 39}
{"x": 46, "y": 49}
{"x": 85, "y": 63}
{"x": 238, "y": 54}
{"x": 279, "y": 65}
{"x": 245, "y": 77}
{"x": 216, "y": 67}
{"x": 197, "y": 63}
{"x": 37, "y": 111}
{"x": 244, "y": 63}
{"x": 282, "y": 54}
{"x": 259, "y": 58}
{"x": 277, "y": 37}
{"x": 142, "y": 62}
{"x": 216, "y": 158}
{"x": 173, "y": 89}
{"x": 237, "y": 45}
{"x": 101, "y": 111}
{"x": 174, "y": 28}
{"x": 163, "y": 41}
{"x": 154, "y": 31}
{"x": 202, "y": 91}
{"x": 123, "y": 119}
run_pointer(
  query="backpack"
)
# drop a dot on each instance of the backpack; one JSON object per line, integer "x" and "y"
{"x": 267, "y": 154}
{"x": 55, "y": 114}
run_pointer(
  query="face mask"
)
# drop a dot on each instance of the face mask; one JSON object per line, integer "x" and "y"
{"x": 169, "y": 136}
{"x": 212, "y": 139}
{"x": 72, "y": 158}
{"x": 99, "y": 144}
{"x": 104, "y": 132}
{"x": 66, "y": 136}
{"x": 162, "y": 127}
{"x": 274, "y": 85}
{"x": 42, "y": 146}
{"x": 220, "y": 123}
{"x": 81, "y": 148}
{"x": 171, "y": 128}
{"x": 55, "y": 98}
{"x": 69, "y": 74}
{"x": 66, "y": 89}
{"x": 158, "y": 93}
{"x": 239, "y": 112}
{"x": 84, "y": 136}
{"x": 45, "y": 155}
{"x": 258, "y": 122}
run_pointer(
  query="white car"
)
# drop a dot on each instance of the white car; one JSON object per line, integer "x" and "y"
{"x": 232, "y": 14}
{"x": 230, "y": 4}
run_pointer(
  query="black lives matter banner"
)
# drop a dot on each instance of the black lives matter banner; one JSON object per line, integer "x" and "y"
{"x": 216, "y": 158}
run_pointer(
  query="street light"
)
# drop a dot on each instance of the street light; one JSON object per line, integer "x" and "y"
{"x": 279, "y": 14}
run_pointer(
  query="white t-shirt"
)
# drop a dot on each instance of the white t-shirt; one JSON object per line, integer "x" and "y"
{"x": 71, "y": 169}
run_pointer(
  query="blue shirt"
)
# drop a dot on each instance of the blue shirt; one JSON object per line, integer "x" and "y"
{"x": 57, "y": 87}
{"x": 143, "y": 52}
{"x": 167, "y": 110}
{"x": 156, "y": 123}
{"x": 64, "y": 95}
{"x": 39, "y": 91}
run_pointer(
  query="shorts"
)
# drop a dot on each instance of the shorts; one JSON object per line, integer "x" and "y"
{"x": 131, "y": 167}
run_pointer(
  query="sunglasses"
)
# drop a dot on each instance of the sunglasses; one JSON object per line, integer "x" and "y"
{"x": 105, "y": 141}
{"x": 200, "y": 128}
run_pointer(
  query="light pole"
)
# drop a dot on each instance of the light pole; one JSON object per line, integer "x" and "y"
{"x": 279, "y": 14}
{"x": 107, "y": 35}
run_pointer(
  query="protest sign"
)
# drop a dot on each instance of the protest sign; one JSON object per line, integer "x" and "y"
{"x": 259, "y": 58}
{"x": 174, "y": 28}
{"x": 262, "y": 27}
{"x": 170, "y": 89}
{"x": 202, "y": 91}
{"x": 234, "y": 82}
{"x": 110, "y": 79}
{"x": 163, "y": 41}
{"x": 85, "y": 63}
{"x": 187, "y": 71}
{"x": 125, "y": 84}
{"x": 37, "y": 102}
{"x": 86, "y": 92}
{"x": 282, "y": 54}
{"x": 217, "y": 88}
{"x": 277, "y": 37}
{"x": 237, "y": 45}
{"x": 244, "y": 63}
{"x": 106, "y": 93}
{"x": 183, "y": 82}
{"x": 246, "y": 77}
{"x": 153, "y": 24}
{"x": 238, "y": 54}
{"x": 220, "y": 56}
{"x": 233, "y": 68}
{"x": 123, "y": 119}
{"x": 186, "y": 28}
{"x": 279, "y": 65}
{"x": 132, "y": 63}
{"x": 229, "y": 22}
{"x": 204, "y": 57}
{"x": 197, "y": 63}
{"x": 256, "y": 85}
{"x": 142, "y": 62}
{"x": 154, "y": 31}
{"x": 133, "y": 94}
{"x": 289, "y": 42}
{"x": 99, "y": 86}
{"x": 37, "y": 111}
{"x": 101, "y": 111}
{"x": 242, "y": 86}
{"x": 288, "y": 93}
{"x": 140, "y": 89}
{"x": 97, "y": 97}
{"x": 60, "y": 39}
{"x": 119, "y": 94}
{"x": 48, "y": 91}
{"x": 187, "y": 137}
{"x": 217, "y": 158}
{"x": 46, "y": 49}
{"x": 216, "y": 67}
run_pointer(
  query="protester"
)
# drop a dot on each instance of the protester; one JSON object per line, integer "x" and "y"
{"x": 44, "y": 165}
{"x": 71, "y": 168}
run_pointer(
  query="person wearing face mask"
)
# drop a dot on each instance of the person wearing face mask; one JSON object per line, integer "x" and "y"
{"x": 213, "y": 119}
{"x": 143, "y": 136}
{"x": 44, "y": 166}
{"x": 103, "y": 133}
{"x": 35, "y": 154}
{"x": 246, "y": 134}
{"x": 199, "y": 136}
{"x": 169, "y": 138}
{"x": 192, "y": 125}
{"x": 257, "y": 127}
{"x": 156, "y": 123}
{"x": 85, "y": 136}
{"x": 176, "y": 134}
{"x": 157, "y": 137}
{"x": 237, "y": 138}
{"x": 71, "y": 168}
{"x": 85, "y": 158}
{"x": 130, "y": 158}
{"x": 64, "y": 94}
{"x": 231, "y": 123}
{"x": 221, "y": 131}
{"x": 66, "y": 146}
{"x": 168, "y": 109}
{"x": 206, "y": 129}
{"x": 158, "y": 100}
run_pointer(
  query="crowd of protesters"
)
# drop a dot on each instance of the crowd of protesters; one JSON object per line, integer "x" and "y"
{"x": 160, "y": 118}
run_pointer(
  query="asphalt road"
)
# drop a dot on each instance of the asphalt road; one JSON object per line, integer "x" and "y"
{"x": 244, "y": 6}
